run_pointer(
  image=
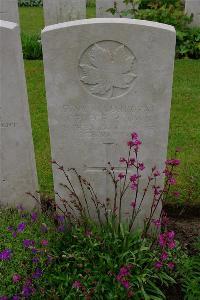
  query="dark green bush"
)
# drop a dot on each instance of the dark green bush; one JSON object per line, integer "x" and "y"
{"x": 170, "y": 12}
{"x": 189, "y": 272}
{"x": 30, "y": 3}
{"x": 31, "y": 46}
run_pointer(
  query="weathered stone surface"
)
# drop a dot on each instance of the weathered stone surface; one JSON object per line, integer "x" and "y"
{"x": 104, "y": 79}
{"x": 9, "y": 11}
{"x": 60, "y": 11}
{"x": 17, "y": 162}
{"x": 193, "y": 7}
{"x": 103, "y": 5}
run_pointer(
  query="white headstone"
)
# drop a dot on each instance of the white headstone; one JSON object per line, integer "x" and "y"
{"x": 9, "y": 10}
{"x": 103, "y": 5}
{"x": 17, "y": 161}
{"x": 193, "y": 7}
{"x": 59, "y": 11}
{"x": 112, "y": 78}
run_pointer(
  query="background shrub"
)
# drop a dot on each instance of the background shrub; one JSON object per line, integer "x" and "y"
{"x": 30, "y": 3}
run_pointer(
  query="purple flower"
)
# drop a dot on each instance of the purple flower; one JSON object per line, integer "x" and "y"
{"x": 37, "y": 274}
{"x": 28, "y": 290}
{"x": 21, "y": 227}
{"x": 10, "y": 228}
{"x": 61, "y": 228}
{"x": 14, "y": 234}
{"x": 34, "y": 216}
{"x": 20, "y": 207}
{"x": 15, "y": 297}
{"x": 3, "y": 298}
{"x": 35, "y": 260}
{"x": 5, "y": 254}
{"x": 60, "y": 218}
{"x": 16, "y": 278}
{"x": 28, "y": 243}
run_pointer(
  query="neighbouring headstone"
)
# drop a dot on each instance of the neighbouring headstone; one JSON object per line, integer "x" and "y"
{"x": 9, "y": 10}
{"x": 104, "y": 79}
{"x": 60, "y": 11}
{"x": 193, "y": 7}
{"x": 103, "y": 5}
{"x": 17, "y": 161}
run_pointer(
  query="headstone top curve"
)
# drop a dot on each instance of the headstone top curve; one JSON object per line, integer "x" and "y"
{"x": 145, "y": 23}
{"x": 8, "y": 25}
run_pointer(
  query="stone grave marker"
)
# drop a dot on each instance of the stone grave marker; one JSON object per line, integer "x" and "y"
{"x": 17, "y": 161}
{"x": 114, "y": 77}
{"x": 9, "y": 11}
{"x": 60, "y": 11}
{"x": 193, "y": 7}
{"x": 103, "y": 5}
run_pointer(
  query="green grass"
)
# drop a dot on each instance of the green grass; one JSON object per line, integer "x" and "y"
{"x": 185, "y": 115}
{"x": 185, "y": 125}
{"x": 31, "y": 19}
{"x": 38, "y": 108}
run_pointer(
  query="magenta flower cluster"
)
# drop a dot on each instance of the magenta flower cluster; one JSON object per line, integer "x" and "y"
{"x": 166, "y": 242}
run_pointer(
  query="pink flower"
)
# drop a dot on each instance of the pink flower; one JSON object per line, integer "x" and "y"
{"x": 16, "y": 278}
{"x": 131, "y": 162}
{"x": 171, "y": 265}
{"x": 141, "y": 166}
{"x": 173, "y": 162}
{"x": 121, "y": 176}
{"x": 162, "y": 240}
{"x": 137, "y": 143}
{"x": 124, "y": 271}
{"x": 122, "y": 160}
{"x": 164, "y": 256}
{"x": 125, "y": 284}
{"x": 44, "y": 243}
{"x": 171, "y": 235}
{"x": 176, "y": 194}
{"x": 134, "y": 136}
{"x": 157, "y": 223}
{"x": 158, "y": 265}
{"x": 133, "y": 204}
{"x": 88, "y": 233}
{"x": 130, "y": 144}
{"x": 156, "y": 173}
{"x": 172, "y": 245}
{"x": 134, "y": 178}
{"x": 134, "y": 186}
{"x": 77, "y": 284}
{"x": 172, "y": 181}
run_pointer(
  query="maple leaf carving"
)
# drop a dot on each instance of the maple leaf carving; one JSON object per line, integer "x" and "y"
{"x": 108, "y": 69}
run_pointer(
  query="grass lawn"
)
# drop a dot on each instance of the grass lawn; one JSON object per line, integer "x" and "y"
{"x": 185, "y": 115}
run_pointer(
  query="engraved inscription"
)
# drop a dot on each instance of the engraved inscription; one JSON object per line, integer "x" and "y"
{"x": 106, "y": 119}
{"x": 7, "y": 124}
{"x": 107, "y": 69}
